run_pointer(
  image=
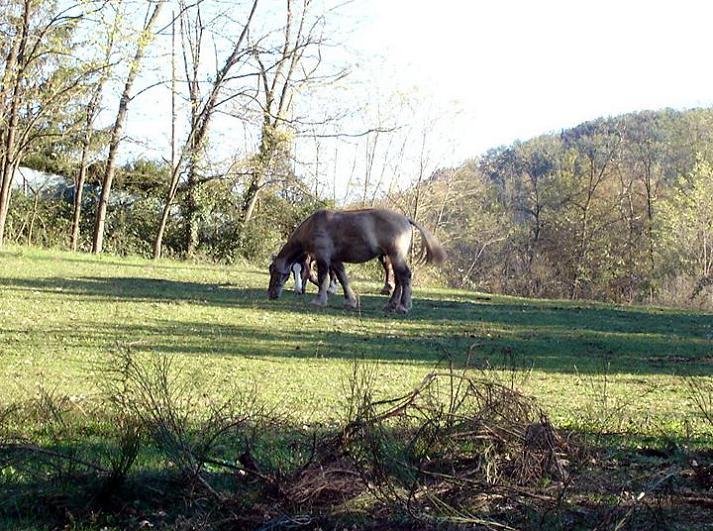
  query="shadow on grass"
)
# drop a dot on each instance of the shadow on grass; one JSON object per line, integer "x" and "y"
{"x": 551, "y": 335}
{"x": 106, "y": 261}
{"x": 147, "y": 499}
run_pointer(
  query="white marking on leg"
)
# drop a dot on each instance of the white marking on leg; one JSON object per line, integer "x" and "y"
{"x": 333, "y": 287}
{"x": 297, "y": 273}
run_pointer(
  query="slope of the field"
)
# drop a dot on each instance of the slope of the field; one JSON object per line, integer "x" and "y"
{"x": 62, "y": 314}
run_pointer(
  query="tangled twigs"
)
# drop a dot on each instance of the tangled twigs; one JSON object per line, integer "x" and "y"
{"x": 454, "y": 434}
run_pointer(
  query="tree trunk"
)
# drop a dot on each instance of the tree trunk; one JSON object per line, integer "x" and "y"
{"x": 9, "y": 160}
{"x": 116, "y": 132}
{"x": 78, "y": 190}
{"x": 5, "y": 192}
{"x": 158, "y": 241}
{"x": 251, "y": 196}
{"x": 192, "y": 215}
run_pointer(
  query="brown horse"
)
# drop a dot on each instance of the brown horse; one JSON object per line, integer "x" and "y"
{"x": 333, "y": 237}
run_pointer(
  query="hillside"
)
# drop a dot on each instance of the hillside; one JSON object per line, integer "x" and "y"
{"x": 616, "y": 209}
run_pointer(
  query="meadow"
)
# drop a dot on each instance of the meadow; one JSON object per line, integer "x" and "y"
{"x": 626, "y": 371}
{"x": 63, "y": 313}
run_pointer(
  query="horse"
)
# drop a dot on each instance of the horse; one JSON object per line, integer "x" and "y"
{"x": 302, "y": 273}
{"x": 333, "y": 237}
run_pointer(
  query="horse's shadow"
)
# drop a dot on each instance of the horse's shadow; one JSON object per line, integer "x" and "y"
{"x": 553, "y": 335}
{"x": 226, "y": 294}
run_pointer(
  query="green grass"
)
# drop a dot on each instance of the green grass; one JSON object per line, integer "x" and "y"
{"x": 62, "y": 313}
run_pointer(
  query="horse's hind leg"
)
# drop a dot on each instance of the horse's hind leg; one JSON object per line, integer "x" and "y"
{"x": 405, "y": 305}
{"x": 307, "y": 275}
{"x": 323, "y": 283}
{"x": 388, "y": 275}
{"x": 395, "y": 298}
{"x": 400, "y": 301}
{"x": 341, "y": 274}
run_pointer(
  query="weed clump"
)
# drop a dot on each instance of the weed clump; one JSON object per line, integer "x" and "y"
{"x": 453, "y": 447}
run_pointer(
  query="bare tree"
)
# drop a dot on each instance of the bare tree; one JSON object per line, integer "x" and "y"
{"x": 15, "y": 70}
{"x": 117, "y": 129}
{"x": 279, "y": 79}
{"x": 201, "y": 112}
{"x": 599, "y": 150}
{"x": 39, "y": 83}
{"x": 91, "y": 112}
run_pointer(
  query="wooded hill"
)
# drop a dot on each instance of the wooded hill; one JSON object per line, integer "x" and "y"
{"x": 617, "y": 209}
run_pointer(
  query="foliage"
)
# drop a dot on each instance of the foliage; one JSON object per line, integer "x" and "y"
{"x": 41, "y": 218}
{"x": 686, "y": 224}
{"x": 614, "y": 209}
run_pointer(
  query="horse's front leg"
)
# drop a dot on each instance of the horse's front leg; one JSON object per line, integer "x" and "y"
{"x": 341, "y": 274}
{"x": 395, "y": 298}
{"x": 322, "y": 282}
{"x": 297, "y": 273}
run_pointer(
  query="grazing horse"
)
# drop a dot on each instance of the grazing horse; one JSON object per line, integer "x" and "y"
{"x": 302, "y": 273}
{"x": 333, "y": 237}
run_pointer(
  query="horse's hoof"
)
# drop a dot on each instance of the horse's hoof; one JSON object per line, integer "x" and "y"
{"x": 400, "y": 308}
{"x": 318, "y": 302}
{"x": 351, "y": 304}
{"x": 385, "y": 291}
{"x": 388, "y": 307}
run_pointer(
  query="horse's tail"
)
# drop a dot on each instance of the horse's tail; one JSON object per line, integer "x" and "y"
{"x": 432, "y": 251}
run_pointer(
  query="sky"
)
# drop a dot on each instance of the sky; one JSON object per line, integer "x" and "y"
{"x": 482, "y": 74}
{"x": 517, "y": 69}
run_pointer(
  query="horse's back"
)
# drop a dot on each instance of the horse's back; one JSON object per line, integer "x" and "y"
{"x": 355, "y": 235}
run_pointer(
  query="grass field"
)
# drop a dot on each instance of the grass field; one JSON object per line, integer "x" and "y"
{"x": 622, "y": 371}
{"x": 62, "y": 313}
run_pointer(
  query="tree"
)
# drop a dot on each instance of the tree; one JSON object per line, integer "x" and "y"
{"x": 283, "y": 68}
{"x": 40, "y": 81}
{"x": 596, "y": 145}
{"x": 90, "y": 114}
{"x": 144, "y": 39}
{"x": 202, "y": 110}
{"x": 686, "y": 226}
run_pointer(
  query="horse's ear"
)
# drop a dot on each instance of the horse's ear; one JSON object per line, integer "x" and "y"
{"x": 273, "y": 256}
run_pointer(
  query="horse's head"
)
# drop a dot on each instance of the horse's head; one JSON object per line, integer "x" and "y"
{"x": 279, "y": 273}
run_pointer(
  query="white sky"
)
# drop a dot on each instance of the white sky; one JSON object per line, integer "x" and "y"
{"x": 512, "y": 69}
{"x": 520, "y": 68}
